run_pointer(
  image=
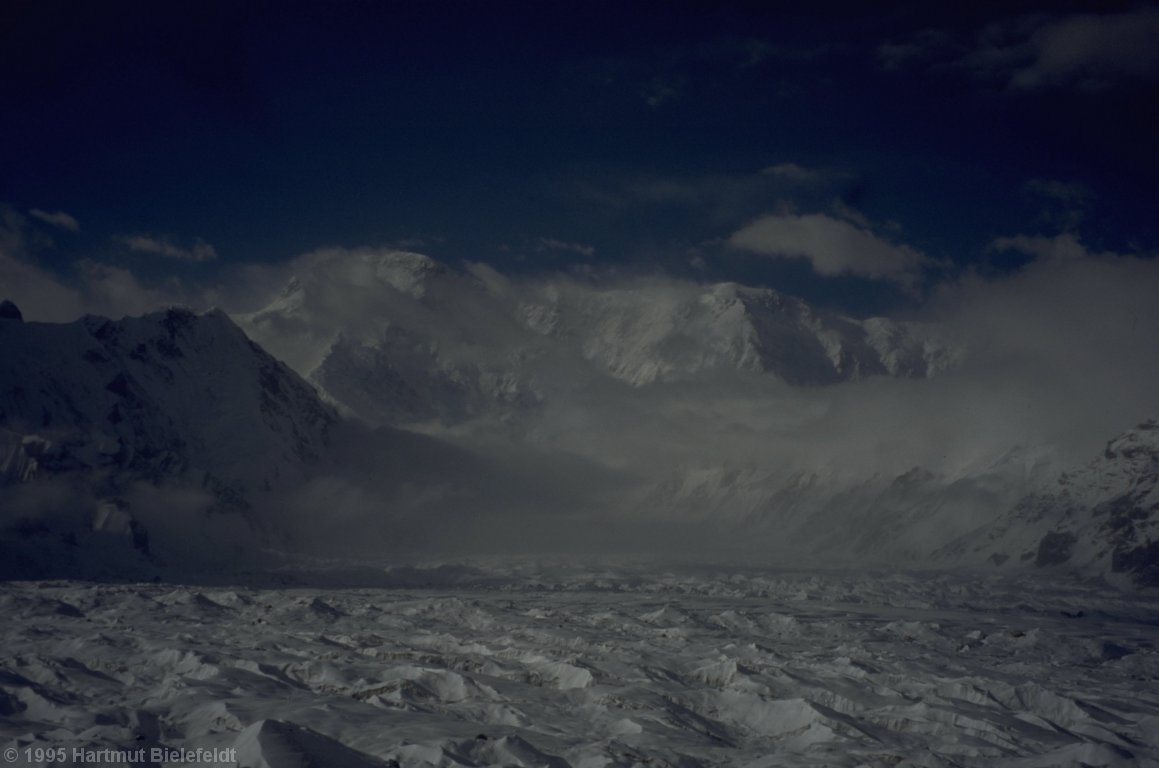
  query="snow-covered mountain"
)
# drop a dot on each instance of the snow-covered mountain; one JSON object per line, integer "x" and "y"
{"x": 823, "y": 516}
{"x": 656, "y": 332}
{"x": 176, "y": 428}
{"x": 1100, "y": 519}
{"x": 96, "y": 412}
{"x": 167, "y": 394}
{"x": 398, "y": 338}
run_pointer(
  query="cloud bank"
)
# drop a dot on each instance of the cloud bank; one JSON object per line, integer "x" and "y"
{"x": 833, "y": 246}
{"x": 86, "y": 286}
{"x": 1090, "y": 51}
{"x": 199, "y": 251}
{"x": 552, "y": 244}
{"x": 1036, "y": 52}
{"x": 57, "y": 219}
{"x": 1062, "y": 356}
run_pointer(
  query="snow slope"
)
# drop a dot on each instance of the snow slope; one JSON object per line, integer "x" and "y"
{"x": 171, "y": 443}
{"x": 168, "y": 393}
{"x": 826, "y": 517}
{"x": 397, "y": 338}
{"x": 175, "y": 407}
{"x": 1101, "y": 519}
{"x": 657, "y": 331}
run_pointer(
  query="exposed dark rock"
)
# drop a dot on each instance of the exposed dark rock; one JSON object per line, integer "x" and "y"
{"x": 178, "y": 319}
{"x": 1141, "y": 562}
{"x": 140, "y": 537}
{"x": 1112, "y": 651}
{"x": 9, "y": 311}
{"x": 1055, "y": 548}
{"x": 120, "y": 386}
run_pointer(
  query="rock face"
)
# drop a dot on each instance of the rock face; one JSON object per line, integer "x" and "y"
{"x": 1102, "y": 519}
{"x": 398, "y": 338}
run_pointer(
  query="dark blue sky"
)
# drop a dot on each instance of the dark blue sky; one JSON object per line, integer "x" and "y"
{"x": 541, "y": 135}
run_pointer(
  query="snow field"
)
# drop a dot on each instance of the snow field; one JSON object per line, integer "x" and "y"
{"x": 533, "y": 665}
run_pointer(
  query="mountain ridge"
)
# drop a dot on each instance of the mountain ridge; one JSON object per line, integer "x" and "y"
{"x": 172, "y": 416}
{"x": 486, "y": 345}
{"x": 1100, "y": 519}
{"x": 97, "y": 413}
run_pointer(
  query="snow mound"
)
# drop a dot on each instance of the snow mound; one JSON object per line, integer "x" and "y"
{"x": 278, "y": 744}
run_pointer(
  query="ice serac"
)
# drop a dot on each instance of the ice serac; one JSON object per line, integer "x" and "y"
{"x": 1101, "y": 519}
{"x": 398, "y": 338}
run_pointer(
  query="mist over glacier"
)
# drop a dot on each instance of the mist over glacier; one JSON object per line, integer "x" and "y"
{"x": 1057, "y": 354}
{"x": 1031, "y": 373}
{"x": 489, "y": 413}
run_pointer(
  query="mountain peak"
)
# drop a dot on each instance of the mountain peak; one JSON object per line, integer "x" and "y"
{"x": 1142, "y": 439}
{"x": 160, "y": 394}
{"x": 430, "y": 331}
{"x": 405, "y": 271}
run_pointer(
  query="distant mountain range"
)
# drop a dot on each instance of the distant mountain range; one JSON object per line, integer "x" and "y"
{"x": 96, "y": 413}
{"x": 397, "y": 338}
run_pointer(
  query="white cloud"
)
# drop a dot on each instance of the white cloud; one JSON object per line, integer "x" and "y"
{"x": 57, "y": 219}
{"x": 925, "y": 45}
{"x": 660, "y": 91}
{"x": 833, "y": 246}
{"x": 792, "y": 172}
{"x": 1062, "y": 247}
{"x": 1069, "y": 343}
{"x": 86, "y": 286}
{"x": 1065, "y": 354}
{"x": 851, "y": 214}
{"x": 115, "y": 292}
{"x": 1088, "y": 50}
{"x": 39, "y": 294}
{"x": 1066, "y": 192}
{"x": 91, "y": 288}
{"x": 711, "y": 201}
{"x": 1062, "y": 354}
{"x": 1063, "y": 204}
{"x": 551, "y": 244}
{"x": 200, "y": 251}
